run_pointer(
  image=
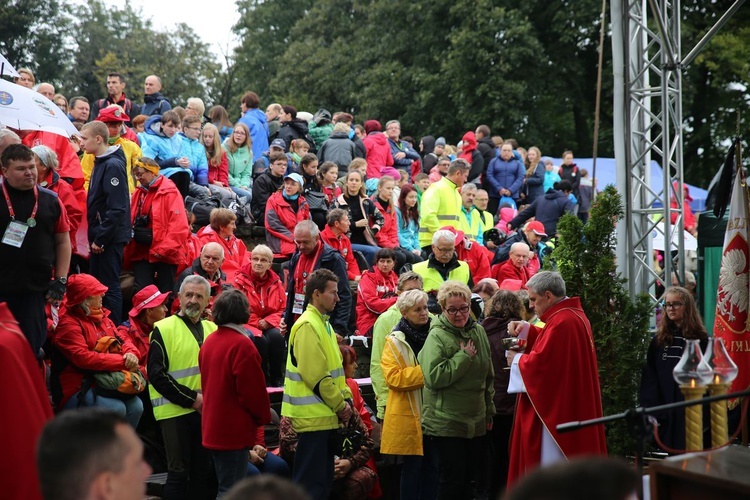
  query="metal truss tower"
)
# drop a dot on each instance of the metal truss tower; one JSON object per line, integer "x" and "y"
{"x": 648, "y": 69}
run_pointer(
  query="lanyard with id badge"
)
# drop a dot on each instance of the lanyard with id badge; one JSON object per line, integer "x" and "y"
{"x": 16, "y": 231}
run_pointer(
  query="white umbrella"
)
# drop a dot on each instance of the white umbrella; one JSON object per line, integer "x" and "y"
{"x": 24, "y": 109}
{"x": 691, "y": 242}
{"x": 6, "y": 68}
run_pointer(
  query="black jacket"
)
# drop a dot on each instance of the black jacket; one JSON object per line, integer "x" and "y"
{"x": 295, "y": 129}
{"x": 332, "y": 260}
{"x": 263, "y": 187}
{"x": 108, "y": 202}
{"x": 546, "y": 209}
{"x": 487, "y": 148}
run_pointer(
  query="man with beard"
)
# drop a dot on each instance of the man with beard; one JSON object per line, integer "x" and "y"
{"x": 175, "y": 390}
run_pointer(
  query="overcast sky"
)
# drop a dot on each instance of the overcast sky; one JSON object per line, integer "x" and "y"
{"x": 212, "y": 20}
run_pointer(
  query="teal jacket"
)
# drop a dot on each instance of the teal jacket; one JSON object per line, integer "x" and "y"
{"x": 458, "y": 389}
{"x": 240, "y": 166}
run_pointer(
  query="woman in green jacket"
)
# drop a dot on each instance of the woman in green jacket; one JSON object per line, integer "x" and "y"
{"x": 240, "y": 157}
{"x": 458, "y": 393}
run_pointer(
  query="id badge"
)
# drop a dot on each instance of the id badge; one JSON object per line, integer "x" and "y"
{"x": 15, "y": 234}
{"x": 299, "y": 303}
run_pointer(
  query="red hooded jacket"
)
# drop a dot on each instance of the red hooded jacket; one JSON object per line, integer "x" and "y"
{"x": 219, "y": 172}
{"x": 266, "y": 296}
{"x": 163, "y": 204}
{"x": 280, "y": 222}
{"x": 342, "y": 245}
{"x": 67, "y": 196}
{"x": 378, "y": 154}
{"x": 476, "y": 256}
{"x": 387, "y": 237}
{"x": 371, "y": 302}
{"x": 75, "y": 338}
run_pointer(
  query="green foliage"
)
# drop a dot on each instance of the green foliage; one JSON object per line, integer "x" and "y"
{"x": 585, "y": 256}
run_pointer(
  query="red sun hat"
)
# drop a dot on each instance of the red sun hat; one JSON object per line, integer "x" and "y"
{"x": 459, "y": 234}
{"x": 81, "y": 287}
{"x": 146, "y": 298}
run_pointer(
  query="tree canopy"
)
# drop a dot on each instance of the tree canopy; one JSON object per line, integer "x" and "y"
{"x": 526, "y": 69}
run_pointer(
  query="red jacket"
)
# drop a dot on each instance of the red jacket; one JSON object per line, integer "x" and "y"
{"x": 67, "y": 196}
{"x": 280, "y": 222}
{"x": 387, "y": 237}
{"x": 378, "y": 154}
{"x": 476, "y": 256}
{"x": 371, "y": 303}
{"x": 162, "y": 202}
{"x": 266, "y": 296}
{"x": 235, "y": 251}
{"x": 331, "y": 193}
{"x": 75, "y": 338}
{"x": 70, "y": 165}
{"x": 137, "y": 333}
{"x": 26, "y": 402}
{"x": 342, "y": 245}
{"x": 507, "y": 271}
{"x": 235, "y": 401}
{"x": 219, "y": 172}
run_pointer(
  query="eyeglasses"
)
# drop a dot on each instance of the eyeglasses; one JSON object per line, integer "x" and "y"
{"x": 444, "y": 250}
{"x": 673, "y": 305}
{"x": 462, "y": 310}
{"x": 194, "y": 129}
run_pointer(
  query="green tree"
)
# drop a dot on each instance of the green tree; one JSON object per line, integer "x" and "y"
{"x": 33, "y": 36}
{"x": 113, "y": 39}
{"x": 585, "y": 256}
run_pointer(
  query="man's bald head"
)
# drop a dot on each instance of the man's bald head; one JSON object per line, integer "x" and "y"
{"x": 152, "y": 85}
{"x": 8, "y": 137}
{"x": 519, "y": 253}
{"x": 212, "y": 257}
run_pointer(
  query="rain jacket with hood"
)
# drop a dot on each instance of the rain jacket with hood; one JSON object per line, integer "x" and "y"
{"x": 266, "y": 296}
{"x": 256, "y": 121}
{"x": 458, "y": 390}
{"x": 378, "y": 151}
{"x": 470, "y": 153}
{"x": 376, "y": 293}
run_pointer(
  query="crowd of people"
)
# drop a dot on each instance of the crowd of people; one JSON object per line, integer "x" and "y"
{"x": 432, "y": 251}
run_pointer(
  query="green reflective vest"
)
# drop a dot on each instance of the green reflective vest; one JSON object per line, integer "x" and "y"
{"x": 308, "y": 411}
{"x": 432, "y": 279}
{"x": 182, "y": 352}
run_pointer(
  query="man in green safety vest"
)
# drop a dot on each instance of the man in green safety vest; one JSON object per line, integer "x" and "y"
{"x": 175, "y": 390}
{"x": 316, "y": 397}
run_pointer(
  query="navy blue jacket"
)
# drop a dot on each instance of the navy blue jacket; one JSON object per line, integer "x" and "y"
{"x": 535, "y": 183}
{"x": 546, "y": 209}
{"x": 332, "y": 260}
{"x": 155, "y": 104}
{"x": 403, "y": 147}
{"x": 108, "y": 201}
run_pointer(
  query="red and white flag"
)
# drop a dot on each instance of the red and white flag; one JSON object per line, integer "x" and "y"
{"x": 733, "y": 295}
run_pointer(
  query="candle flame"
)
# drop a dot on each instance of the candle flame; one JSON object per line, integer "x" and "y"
{"x": 717, "y": 379}
{"x": 692, "y": 383}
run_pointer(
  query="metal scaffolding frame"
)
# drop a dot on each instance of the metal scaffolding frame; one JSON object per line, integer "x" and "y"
{"x": 648, "y": 67}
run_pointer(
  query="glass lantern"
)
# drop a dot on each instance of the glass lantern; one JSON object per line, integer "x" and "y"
{"x": 723, "y": 368}
{"x": 692, "y": 369}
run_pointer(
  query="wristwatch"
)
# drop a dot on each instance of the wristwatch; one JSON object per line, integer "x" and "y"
{"x": 63, "y": 280}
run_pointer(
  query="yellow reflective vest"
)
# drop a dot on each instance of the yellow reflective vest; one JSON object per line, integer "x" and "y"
{"x": 441, "y": 206}
{"x": 432, "y": 279}
{"x": 182, "y": 351}
{"x": 132, "y": 153}
{"x": 315, "y": 386}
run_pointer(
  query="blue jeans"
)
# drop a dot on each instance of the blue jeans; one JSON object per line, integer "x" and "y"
{"x": 272, "y": 464}
{"x": 420, "y": 475}
{"x": 230, "y": 468}
{"x": 131, "y": 409}
{"x": 242, "y": 192}
{"x": 368, "y": 251}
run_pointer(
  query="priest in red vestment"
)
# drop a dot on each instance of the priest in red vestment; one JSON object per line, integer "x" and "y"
{"x": 515, "y": 267}
{"x": 558, "y": 380}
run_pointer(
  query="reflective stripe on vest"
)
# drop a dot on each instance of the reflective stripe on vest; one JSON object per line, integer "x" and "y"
{"x": 182, "y": 353}
{"x": 299, "y": 401}
{"x": 432, "y": 278}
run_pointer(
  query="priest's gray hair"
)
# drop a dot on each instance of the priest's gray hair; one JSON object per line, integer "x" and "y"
{"x": 547, "y": 281}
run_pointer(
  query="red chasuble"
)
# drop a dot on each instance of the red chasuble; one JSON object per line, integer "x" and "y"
{"x": 562, "y": 383}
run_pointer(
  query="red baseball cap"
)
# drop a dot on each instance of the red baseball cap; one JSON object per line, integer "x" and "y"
{"x": 146, "y": 298}
{"x": 512, "y": 285}
{"x": 112, "y": 114}
{"x": 537, "y": 227}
